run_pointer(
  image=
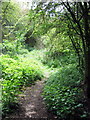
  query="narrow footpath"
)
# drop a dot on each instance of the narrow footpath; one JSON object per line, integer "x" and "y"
{"x": 32, "y": 105}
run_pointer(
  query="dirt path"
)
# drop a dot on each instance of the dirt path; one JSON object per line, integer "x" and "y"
{"x": 32, "y": 105}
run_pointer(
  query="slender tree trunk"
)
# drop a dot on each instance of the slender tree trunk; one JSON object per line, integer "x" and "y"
{"x": 87, "y": 39}
{"x": 88, "y": 75}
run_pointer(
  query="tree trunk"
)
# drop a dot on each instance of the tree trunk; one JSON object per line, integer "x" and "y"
{"x": 87, "y": 40}
{"x": 88, "y": 75}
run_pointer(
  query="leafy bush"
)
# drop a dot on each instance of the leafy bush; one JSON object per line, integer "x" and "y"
{"x": 15, "y": 74}
{"x": 13, "y": 48}
{"x": 62, "y": 95}
{"x": 59, "y": 59}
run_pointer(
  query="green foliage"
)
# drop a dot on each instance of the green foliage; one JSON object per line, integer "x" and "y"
{"x": 59, "y": 59}
{"x": 48, "y": 27}
{"x": 57, "y": 41}
{"x": 10, "y": 15}
{"x": 62, "y": 94}
{"x": 15, "y": 75}
{"x": 13, "y": 48}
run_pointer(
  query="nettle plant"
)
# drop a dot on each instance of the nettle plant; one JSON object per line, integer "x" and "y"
{"x": 15, "y": 75}
{"x": 63, "y": 95}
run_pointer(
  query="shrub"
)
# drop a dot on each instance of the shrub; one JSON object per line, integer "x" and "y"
{"x": 62, "y": 96}
{"x": 60, "y": 59}
{"x": 13, "y": 48}
{"x": 15, "y": 74}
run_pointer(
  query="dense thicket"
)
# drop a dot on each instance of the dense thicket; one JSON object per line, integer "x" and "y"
{"x": 57, "y": 35}
{"x": 76, "y": 24}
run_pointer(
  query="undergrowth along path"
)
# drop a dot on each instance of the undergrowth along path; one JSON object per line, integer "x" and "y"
{"x": 32, "y": 104}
